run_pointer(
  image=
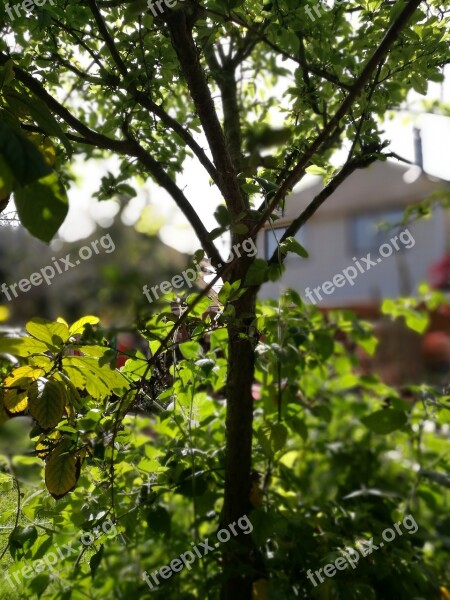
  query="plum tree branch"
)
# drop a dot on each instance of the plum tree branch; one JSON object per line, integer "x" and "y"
{"x": 180, "y": 199}
{"x": 258, "y": 33}
{"x": 350, "y": 167}
{"x": 186, "y": 50}
{"x": 146, "y": 102}
{"x": 93, "y": 137}
{"x": 379, "y": 55}
{"x": 115, "y": 54}
{"x": 128, "y": 147}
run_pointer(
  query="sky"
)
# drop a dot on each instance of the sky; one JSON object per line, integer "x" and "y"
{"x": 85, "y": 211}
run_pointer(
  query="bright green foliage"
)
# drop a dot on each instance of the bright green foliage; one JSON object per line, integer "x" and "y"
{"x": 342, "y": 457}
{"x": 62, "y": 362}
{"x": 270, "y": 94}
{"x": 129, "y": 82}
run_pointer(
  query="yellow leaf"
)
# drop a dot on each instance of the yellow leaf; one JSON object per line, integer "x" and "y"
{"x": 445, "y": 595}
{"x": 256, "y": 495}
{"x": 62, "y": 470}
{"x": 46, "y": 443}
{"x": 260, "y": 590}
{"x": 16, "y": 397}
{"x": 48, "y": 150}
{"x": 78, "y": 327}
{"x": 25, "y": 371}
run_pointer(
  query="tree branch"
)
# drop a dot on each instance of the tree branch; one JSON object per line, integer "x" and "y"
{"x": 81, "y": 74}
{"x": 225, "y": 76}
{"x": 80, "y": 41}
{"x": 107, "y": 37}
{"x": 245, "y": 49}
{"x": 93, "y": 137}
{"x": 379, "y": 55}
{"x": 330, "y": 77}
{"x": 180, "y": 199}
{"x": 183, "y": 133}
{"x": 128, "y": 147}
{"x": 74, "y": 138}
{"x": 349, "y": 167}
{"x": 146, "y": 102}
{"x": 186, "y": 50}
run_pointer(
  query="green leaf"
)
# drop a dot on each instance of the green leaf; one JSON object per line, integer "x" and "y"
{"x": 267, "y": 186}
{"x": 23, "y": 536}
{"x": 275, "y": 272}
{"x": 39, "y": 584}
{"x": 239, "y": 228}
{"x": 404, "y": 307}
{"x": 315, "y": 170}
{"x": 417, "y": 321}
{"x": 325, "y": 344}
{"x": 290, "y": 244}
{"x": 52, "y": 333}
{"x": 100, "y": 381}
{"x": 201, "y": 307}
{"x": 42, "y": 206}
{"x": 272, "y": 437}
{"x": 250, "y": 188}
{"x": 420, "y": 84}
{"x": 216, "y": 232}
{"x": 222, "y": 216}
{"x": 191, "y": 350}
{"x": 192, "y": 486}
{"x": 373, "y": 5}
{"x": 225, "y": 292}
{"x": 46, "y": 402}
{"x": 21, "y": 101}
{"x": 257, "y": 273}
{"x": 6, "y": 73}
{"x": 299, "y": 426}
{"x": 95, "y": 560}
{"x": 6, "y": 179}
{"x": 22, "y": 346}
{"x": 22, "y": 157}
{"x": 385, "y": 421}
{"x": 159, "y": 520}
{"x": 206, "y": 364}
{"x": 78, "y": 327}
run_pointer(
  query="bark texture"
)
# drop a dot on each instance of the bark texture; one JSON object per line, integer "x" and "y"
{"x": 239, "y": 424}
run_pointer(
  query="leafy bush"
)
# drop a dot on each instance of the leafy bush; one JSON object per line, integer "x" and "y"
{"x": 338, "y": 457}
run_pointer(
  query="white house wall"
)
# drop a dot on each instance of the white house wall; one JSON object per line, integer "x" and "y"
{"x": 328, "y": 241}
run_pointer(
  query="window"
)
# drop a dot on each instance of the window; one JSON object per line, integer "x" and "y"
{"x": 272, "y": 235}
{"x": 370, "y": 231}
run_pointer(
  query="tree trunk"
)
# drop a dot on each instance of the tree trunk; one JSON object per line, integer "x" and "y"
{"x": 239, "y": 421}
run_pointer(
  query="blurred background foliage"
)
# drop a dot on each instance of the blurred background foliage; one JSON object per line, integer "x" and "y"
{"x": 109, "y": 284}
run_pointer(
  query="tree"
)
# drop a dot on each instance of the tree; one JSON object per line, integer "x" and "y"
{"x": 154, "y": 89}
